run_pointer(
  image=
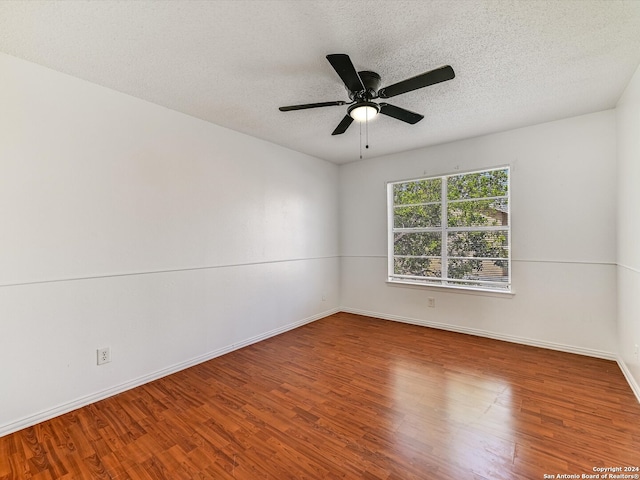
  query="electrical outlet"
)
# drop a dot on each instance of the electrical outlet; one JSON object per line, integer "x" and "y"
{"x": 104, "y": 355}
{"x": 431, "y": 302}
{"x": 635, "y": 350}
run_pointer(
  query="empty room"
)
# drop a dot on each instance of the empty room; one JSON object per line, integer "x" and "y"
{"x": 283, "y": 239}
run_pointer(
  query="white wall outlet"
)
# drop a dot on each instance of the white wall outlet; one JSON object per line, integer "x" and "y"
{"x": 104, "y": 355}
{"x": 635, "y": 350}
{"x": 431, "y": 302}
{"x": 324, "y": 297}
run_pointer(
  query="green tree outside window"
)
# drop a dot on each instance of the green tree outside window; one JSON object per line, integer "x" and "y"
{"x": 451, "y": 230}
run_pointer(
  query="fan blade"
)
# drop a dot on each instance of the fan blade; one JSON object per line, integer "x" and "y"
{"x": 343, "y": 125}
{"x": 400, "y": 113}
{"x": 311, "y": 105}
{"x": 438, "y": 75}
{"x": 341, "y": 63}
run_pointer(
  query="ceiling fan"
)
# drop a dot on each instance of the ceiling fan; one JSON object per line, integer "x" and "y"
{"x": 363, "y": 88}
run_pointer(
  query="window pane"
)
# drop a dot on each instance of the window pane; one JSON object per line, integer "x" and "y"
{"x": 470, "y": 248}
{"x": 421, "y": 191}
{"x": 420, "y": 267}
{"x": 478, "y": 244}
{"x": 494, "y": 183}
{"x": 417, "y": 244}
{"x": 417, "y": 216}
{"x": 479, "y": 270}
{"x": 476, "y": 213}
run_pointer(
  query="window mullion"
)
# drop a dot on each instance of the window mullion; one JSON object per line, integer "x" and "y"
{"x": 481, "y": 228}
{"x": 444, "y": 263}
{"x": 479, "y": 199}
{"x": 417, "y": 230}
{"x": 404, "y": 205}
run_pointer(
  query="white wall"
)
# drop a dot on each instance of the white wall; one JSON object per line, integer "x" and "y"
{"x": 128, "y": 225}
{"x": 628, "y": 126}
{"x": 563, "y": 184}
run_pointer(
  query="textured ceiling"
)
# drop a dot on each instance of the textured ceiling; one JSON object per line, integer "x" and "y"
{"x": 233, "y": 63}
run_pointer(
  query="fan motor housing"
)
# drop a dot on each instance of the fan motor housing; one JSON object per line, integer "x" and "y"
{"x": 371, "y": 82}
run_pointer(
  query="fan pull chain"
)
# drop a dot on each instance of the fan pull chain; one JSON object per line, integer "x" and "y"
{"x": 360, "y": 123}
{"x": 367, "y": 128}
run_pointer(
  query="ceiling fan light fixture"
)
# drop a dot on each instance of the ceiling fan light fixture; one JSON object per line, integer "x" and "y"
{"x": 363, "y": 111}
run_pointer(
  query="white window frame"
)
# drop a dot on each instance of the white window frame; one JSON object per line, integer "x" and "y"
{"x": 444, "y": 230}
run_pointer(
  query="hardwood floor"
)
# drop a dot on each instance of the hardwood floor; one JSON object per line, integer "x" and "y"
{"x": 350, "y": 397}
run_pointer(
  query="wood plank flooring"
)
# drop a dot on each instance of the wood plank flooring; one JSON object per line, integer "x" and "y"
{"x": 350, "y": 397}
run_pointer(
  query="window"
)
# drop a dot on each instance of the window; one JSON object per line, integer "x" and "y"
{"x": 451, "y": 230}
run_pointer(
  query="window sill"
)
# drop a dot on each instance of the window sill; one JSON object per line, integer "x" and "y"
{"x": 451, "y": 288}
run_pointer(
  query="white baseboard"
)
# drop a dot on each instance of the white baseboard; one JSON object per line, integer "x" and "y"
{"x": 487, "y": 334}
{"x": 109, "y": 392}
{"x": 630, "y": 380}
